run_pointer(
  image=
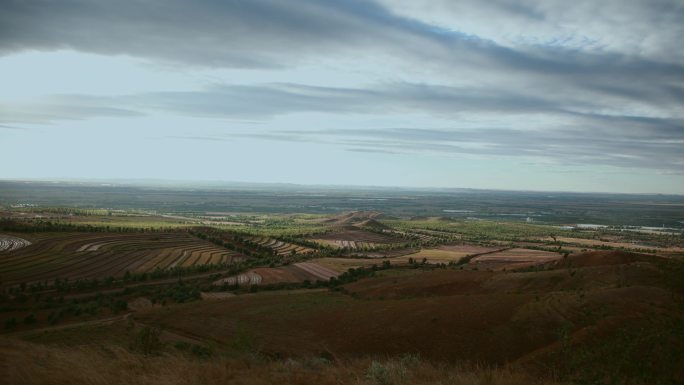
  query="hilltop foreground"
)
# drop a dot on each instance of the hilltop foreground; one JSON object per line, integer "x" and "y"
{"x": 598, "y": 317}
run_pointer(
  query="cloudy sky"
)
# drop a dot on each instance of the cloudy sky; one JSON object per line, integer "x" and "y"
{"x": 508, "y": 94}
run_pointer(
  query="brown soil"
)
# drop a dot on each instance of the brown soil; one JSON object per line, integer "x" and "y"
{"x": 443, "y": 314}
{"x": 514, "y": 259}
{"x": 602, "y": 258}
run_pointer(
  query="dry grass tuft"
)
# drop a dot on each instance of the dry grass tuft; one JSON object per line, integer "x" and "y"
{"x": 28, "y": 363}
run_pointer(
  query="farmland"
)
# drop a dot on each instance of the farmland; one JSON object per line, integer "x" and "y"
{"x": 295, "y": 273}
{"x": 9, "y": 243}
{"x": 447, "y": 253}
{"x": 535, "y": 300}
{"x": 102, "y": 255}
{"x": 340, "y": 265}
{"x": 514, "y": 258}
{"x": 356, "y": 239}
{"x": 280, "y": 247}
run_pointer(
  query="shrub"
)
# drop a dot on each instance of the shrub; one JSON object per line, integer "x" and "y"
{"x": 147, "y": 341}
{"x": 386, "y": 373}
{"x": 10, "y": 323}
{"x": 179, "y": 293}
{"x": 410, "y": 359}
{"x": 200, "y": 351}
{"x": 55, "y": 316}
{"x": 378, "y": 373}
{"x": 30, "y": 319}
{"x": 182, "y": 345}
{"x": 119, "y": 306}
{"x": 197, "y": 350}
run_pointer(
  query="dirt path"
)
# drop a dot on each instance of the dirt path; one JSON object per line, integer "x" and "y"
{"x": 100, "y": 321}
{"x": 165, "y": 334}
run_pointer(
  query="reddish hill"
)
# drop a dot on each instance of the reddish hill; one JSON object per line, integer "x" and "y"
{"x": 603, "y": 258}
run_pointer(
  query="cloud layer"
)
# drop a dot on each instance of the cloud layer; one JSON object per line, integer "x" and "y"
{"x": 586, "y": 83}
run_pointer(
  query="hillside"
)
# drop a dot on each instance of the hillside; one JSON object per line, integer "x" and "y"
{"x": 568, "y": 321}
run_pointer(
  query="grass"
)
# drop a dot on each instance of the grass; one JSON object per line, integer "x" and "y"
{"x": 478, "y": 230}
{"x": 133, "y": 222}
{"x": 27, "y": 363}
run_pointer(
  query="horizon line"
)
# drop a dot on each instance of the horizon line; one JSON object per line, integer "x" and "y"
{"x": 150, "y": 182}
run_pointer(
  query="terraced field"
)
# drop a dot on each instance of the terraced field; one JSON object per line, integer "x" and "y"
{"x": 425, "y": 235}
{"x": 9, "y": 243}
{"x": 356, "y": 245}
{"x": 280, "y": 247}
{"x": 298, "y": 272}
{"x": 99, "y": 255}
{"x": 514, "y": 258}
{"x": 353, "y": 238}
{"x": 341, "y": 265}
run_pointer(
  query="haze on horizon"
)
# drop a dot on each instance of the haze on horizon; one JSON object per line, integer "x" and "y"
{"x": 501, "y": 94}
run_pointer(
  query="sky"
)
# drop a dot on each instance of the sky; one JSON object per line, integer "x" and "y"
{"x": 500, "y": 94}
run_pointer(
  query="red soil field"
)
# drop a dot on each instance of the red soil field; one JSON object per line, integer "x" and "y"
{"x": 514, "y": 259}
{"x": 602, "y": 258}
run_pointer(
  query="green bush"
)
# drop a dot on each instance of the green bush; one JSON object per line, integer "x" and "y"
{"x": 10, "y": 323}
{"x": 119, "y": 306}
{"x": 378, "y": 373}
{"x": 147, "y": 341}
{"x": 30, "y": 319}
{"x": 179, "y": 293}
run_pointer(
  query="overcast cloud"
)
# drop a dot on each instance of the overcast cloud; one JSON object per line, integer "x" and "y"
{"x": 586, "y": 84}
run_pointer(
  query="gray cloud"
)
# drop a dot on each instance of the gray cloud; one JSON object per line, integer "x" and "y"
{"x": 607, "y": 83}
{"x": 233, "y": 33}
{"x": 644, "y": 28}
{"x": 575, "y": 136}
{"x": 271, "y": 33}
{"x": 371, "y": 151}
{"x": 6, "y": 127}
{"x": 277, "y": 99}
{"x": 48, "y": 111}
{"x": 266, "y": 101}
{"x": 567, "y": 146}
